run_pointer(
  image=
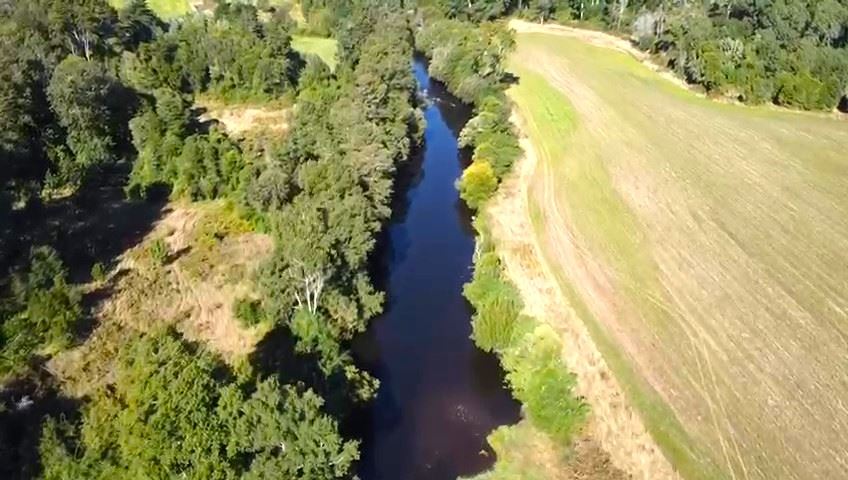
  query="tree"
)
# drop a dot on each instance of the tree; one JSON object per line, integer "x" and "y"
{"x": 84, "y": 24}
{"x": 477, "y": 184}
{"x": 325, "y": 236}
{"x": 21, "y": 104}
{"x": 41, "y": 313}
{"x": 174, "y": 410}
{"x": 542, "y": 9}
{"x": 85, "y": 100}
{"x": 138, "y": 24}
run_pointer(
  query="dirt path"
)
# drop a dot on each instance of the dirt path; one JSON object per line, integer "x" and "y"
{"x": 613, "y": 423}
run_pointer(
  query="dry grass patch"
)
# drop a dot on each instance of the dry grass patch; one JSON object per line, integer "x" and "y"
{"x": 247, "y": 120}
{"x": 211, "y": 258}
{"x": 525, "y": 453}
{"x": 705, "y": 246}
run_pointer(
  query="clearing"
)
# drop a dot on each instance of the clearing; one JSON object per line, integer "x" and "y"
{"x": 212, "y": 256}
{"x": 165, "y": 9}
{"x": 705, "y": 247}
{"x": 242, "y": 120}
{"x": 325, "y": 48}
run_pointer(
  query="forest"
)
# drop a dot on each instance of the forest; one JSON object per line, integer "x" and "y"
{"x": 98, "y": 108}
{"x": 792, "y": 53}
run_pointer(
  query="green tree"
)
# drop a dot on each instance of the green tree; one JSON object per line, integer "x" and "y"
{"x": 496, "y": 303}
{"x": 83, "y": 25}
{"x": 137, "y": 24}
{"x": 41, "y": 313}
{"x": 83, "y": 97}
{"x": 174, "y": 410}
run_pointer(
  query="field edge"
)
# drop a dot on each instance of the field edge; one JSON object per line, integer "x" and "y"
{"x": 657, "y": 417}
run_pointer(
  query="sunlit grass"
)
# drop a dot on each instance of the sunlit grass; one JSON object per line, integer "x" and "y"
{"x": 325, "y": 48}
{"x": 165, "y": 9}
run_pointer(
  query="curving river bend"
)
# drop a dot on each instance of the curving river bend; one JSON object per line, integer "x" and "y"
{"x": 439, "y": 396}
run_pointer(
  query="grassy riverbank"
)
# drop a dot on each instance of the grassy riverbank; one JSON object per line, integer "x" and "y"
{"x": 702, "y": 245}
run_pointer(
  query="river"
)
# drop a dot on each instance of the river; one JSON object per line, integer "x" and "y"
{"x": 439, "y": 396}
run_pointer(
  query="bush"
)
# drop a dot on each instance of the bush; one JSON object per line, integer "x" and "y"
{"x": 496, "y": 303}
{"x": 541, "y": 381}
{"x": 477, "y": 184}
{"x": 490, "y": 133}
{"x": 529, "y": 352}
{"x": 98, "y": 272}
{"x": 158, "y": 251}
{"x": 249, "y": 312}
{"x": 800, "y": 90}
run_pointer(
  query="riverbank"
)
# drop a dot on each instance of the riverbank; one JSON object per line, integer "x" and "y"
{"x": 439, "y": 395}
{"x": 612, "y": 426}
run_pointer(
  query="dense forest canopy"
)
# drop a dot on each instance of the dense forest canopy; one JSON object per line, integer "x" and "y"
{"x": 94, "y": 101}
{"x": 790, "y": 52}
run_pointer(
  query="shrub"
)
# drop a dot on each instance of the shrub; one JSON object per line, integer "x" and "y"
{"x": 496, "y": 302}
{"x": 800, "y": 90}
{"x": 249, "y": 311}
{"x": 541, "y": 381}
{"x": 490, "y": 133}
{"x": 158, "y": 251}
{"x": 477, "y": 184}
{"x": 98, "y": 272}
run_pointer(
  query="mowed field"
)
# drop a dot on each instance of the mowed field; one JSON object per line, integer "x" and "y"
{"x": 705, "y": 246}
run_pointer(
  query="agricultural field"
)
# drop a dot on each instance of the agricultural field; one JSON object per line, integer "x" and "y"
{"x": 325, "y": 48}
{"x": 705, "y": 247}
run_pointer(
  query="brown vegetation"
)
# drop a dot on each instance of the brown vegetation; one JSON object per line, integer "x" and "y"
{"x": 211, "y": 259}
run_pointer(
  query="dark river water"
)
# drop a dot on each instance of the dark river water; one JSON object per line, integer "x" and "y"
{"x": 439, "y": 395}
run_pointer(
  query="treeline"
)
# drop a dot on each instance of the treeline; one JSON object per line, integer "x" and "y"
{"x": 326, "y": 192}
{"x": 172, "y": 409}
{"x": 88, "y": 90}
{"x": 530, "y": 352}
{"x": 789, "y": 52}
